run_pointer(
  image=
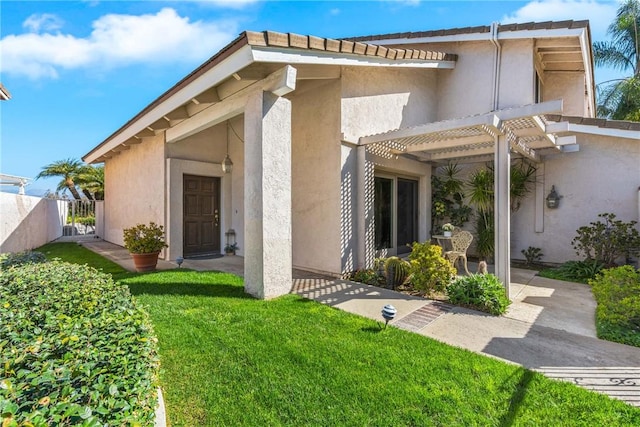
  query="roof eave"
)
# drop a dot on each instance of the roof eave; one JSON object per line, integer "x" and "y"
{"x": 207, "y": 75}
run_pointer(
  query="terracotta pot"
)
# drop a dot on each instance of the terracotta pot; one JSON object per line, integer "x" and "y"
{"x": 145, "y": 262}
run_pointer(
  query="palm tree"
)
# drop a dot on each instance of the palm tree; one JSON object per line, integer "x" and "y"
{"x": 91, "y": 180}
{"x": 68, "y": 169}
{"x": 620, "y": 98}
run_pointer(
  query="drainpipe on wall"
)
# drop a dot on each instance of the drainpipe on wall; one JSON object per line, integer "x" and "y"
{"x": 496, "y": 65}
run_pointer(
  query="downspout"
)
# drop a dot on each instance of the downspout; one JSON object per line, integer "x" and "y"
{"x": 496, "y": 65}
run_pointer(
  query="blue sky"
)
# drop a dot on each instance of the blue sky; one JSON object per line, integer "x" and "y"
{"x": 78, "y": 70}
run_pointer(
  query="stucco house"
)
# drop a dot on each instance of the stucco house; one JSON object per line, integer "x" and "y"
{"x": 333, "y": 143}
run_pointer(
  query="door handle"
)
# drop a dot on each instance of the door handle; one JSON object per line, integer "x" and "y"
{"x": 216, "y": 217}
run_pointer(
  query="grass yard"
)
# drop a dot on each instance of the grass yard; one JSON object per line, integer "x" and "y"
{"x": 228, "y": 359}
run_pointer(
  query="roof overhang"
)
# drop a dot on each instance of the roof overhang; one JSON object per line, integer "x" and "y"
{"x": 245, "y": 62}
{"x": 603, "y": 127}
{"x": 529, "y": 134}
{"x": 559, "y": 47}
{"x": 4, "y": 93}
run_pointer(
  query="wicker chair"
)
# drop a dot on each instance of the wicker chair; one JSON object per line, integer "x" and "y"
{"x": 460, "y": 243}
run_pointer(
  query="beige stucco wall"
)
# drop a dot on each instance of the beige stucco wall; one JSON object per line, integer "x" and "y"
{"x": 516, "y": 74}
{"x": 570, "y": 88}
{"x": 376, "y": 100}
{"x": 27, "y": 222}
{"x": 315, "y": 176}
{"x": 604, "y": 176}
{"x": 134, "y": 188}
{"x": 468, "y": 88}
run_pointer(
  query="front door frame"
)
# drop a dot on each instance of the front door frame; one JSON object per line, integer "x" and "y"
{"x": 176, "y": 168}
{"x": 212, "y": 218}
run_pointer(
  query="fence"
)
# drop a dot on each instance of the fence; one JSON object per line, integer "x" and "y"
{"x": 83, "y": 219}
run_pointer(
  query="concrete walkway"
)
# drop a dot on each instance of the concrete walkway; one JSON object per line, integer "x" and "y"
{"x": 549, "y": 326}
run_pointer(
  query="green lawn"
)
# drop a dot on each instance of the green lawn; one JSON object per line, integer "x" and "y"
{"x": 228, "y": 359}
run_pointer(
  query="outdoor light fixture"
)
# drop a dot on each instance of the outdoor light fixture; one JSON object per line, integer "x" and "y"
{"x": 231, "y": 238}
{"x": 388, "y": 313}
{"x": 227, "y": 164}
{"x": 179, "y": 261}
{"x": 553, "y": 199}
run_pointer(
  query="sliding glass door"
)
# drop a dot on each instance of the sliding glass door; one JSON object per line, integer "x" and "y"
{"x": 396, "y": 213}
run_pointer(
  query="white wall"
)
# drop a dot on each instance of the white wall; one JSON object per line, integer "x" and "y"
{"x": 468, "y": 88}
{"x": 134, "y": 188}
{"x": 315, "y": 180}
{"x": 377, "y": 100}
{"x": 28, "y": 222}
{"x": 570, "y": 88}
{"x": 603, "y": 176}
{"x": 516, "y": 74}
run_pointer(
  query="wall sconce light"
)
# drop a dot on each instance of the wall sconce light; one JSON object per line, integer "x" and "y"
{"x": 227, "y": 164}
{"x": 553, "y": 199}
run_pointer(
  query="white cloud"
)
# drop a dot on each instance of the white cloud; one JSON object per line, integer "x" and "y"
{"x": 600, "y": 14}
{"x": 116, "y": 40}
{"x": 45, "y": 21}
{"x": 233, "y": 4}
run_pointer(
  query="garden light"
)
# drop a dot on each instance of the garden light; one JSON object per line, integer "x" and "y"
{"x": 388, "y": 313}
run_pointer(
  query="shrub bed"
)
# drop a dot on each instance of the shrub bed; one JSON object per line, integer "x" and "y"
{"x": 617, "y": 292}
{"x": 482, "y": 292}
{"x": 74, "y": 349}
{"x": 10, "y": 259}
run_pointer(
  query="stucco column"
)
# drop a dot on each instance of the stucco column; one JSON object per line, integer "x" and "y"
{"x": 502, "y": 211}
{"x": 267, "y": 195}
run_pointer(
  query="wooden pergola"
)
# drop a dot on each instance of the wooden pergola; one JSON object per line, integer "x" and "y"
{"x": 522, "y": 131}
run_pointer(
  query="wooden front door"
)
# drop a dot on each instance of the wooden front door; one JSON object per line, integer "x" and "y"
{"x": 201, "y": 232}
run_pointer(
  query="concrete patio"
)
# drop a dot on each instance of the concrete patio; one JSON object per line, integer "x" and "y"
{"x": 549, "y": 327}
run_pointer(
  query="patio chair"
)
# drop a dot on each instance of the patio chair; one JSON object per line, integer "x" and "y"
{"x": 460, "y": 242}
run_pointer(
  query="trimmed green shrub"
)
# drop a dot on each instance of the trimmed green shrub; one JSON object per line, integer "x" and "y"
{"x": 484, "y": 292}
{"x": 607, "y": 241}
{"x": 430, "y": 271}
{"x": 10, "y": 259}
{"x": 617, "y": 292}
{"x": 574, "y": 271}
{"x": 368, "y": 276}
{"x": 74, "y": 349}
{"x": 532, "y": 255}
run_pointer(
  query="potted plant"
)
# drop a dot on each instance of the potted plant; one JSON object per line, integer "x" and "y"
{"x": 447, "y": 229}
{"x": 144, "y": 243}
{"x": 231, "y": 248}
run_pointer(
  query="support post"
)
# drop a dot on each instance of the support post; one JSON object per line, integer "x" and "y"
{"x": 502, "y": 212}
{"x": 360, "y": 205}
{"x": 267, "y": 195}
{"x": 539, "y": 199}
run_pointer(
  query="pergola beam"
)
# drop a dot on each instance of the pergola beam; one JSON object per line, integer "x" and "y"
{"x": 450, "y": 143}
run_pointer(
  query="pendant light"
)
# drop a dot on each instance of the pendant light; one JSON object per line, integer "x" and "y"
{"x": 227, "y": 164}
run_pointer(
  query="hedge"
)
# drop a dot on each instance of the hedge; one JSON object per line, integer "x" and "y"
{"x": 617, "y": 292}
{"x": 74, "y": 349}
{"x": 11, "y": 259}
